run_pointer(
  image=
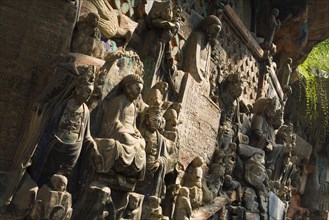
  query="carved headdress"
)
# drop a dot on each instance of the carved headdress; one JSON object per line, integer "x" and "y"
{"x": 86, "y": 74}
{"x": 262, "y": 104}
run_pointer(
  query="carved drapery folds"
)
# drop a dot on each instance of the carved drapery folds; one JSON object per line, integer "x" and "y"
{"x": 134, "y": 129}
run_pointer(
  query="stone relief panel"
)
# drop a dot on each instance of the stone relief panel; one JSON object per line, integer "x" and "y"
{"x": 157, "y": 132}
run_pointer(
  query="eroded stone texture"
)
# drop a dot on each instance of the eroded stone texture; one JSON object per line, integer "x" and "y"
{"x": 193, "y": 140}
{"x": 180, "y": 144}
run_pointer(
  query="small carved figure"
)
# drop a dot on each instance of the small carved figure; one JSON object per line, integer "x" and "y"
{"x": 155, "y": 208}
{"x": 284, "y": 74}
{"x": 284, "y": 138}
{"x": 273, "y": 26}
{"x": 171, "y": 117}
{"x": 198, "y": 50}
{"x": 156, "y": 155}
{"x": 163, "y": 24}
{"x": 132, "y": 212}
{"x": 172, "y": 121}
{"x": 95, "y": 203}
{"x": 231, "y": 185}
{"x": 183, "y": 209}
{"x": 231, "y": 89}
{"x": 87, "y": 37}
{"x": 67, "y": 133}
{"x": 263, "y": 125}
{"x": 255, "y": 172}
{"x": 250, "y": 200}
{"x": 193, "y": 181}
{"x": 157, "y": 94}
{"x": 53, "y": 202}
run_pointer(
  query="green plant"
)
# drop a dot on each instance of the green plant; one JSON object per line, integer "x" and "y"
{"x": 315, "y": 71}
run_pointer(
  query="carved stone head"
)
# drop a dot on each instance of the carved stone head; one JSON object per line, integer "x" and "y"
{"x": 184, "y": 191}
{"x": 132, "y": 86}
{"x": 275, "y": 12}
{"x": 91, "y": 18}
{"x": 133, "y": 201}
{"x": 266, "y": 107}
{"x": 233, "y": 85}
{"x": 85, "y": 85}
{"x": 58, "y": 183}
{"x": 154, "y": 120}
{"x": 154, "y": 202}
{"x": 211, "y": 26}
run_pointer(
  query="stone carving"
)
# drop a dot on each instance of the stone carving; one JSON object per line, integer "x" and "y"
{"x": 67, "y": 133}
{"x": 263, "y": 125}
{"x": 231, "y": 89}
{"x": 152, "y": 38}
{"x": 156, "y": 155}
{"x": 284, "y": 74}
{"x": 95, "y": 203}
{"x": 231, "y": 185}
{"x": 285, "y": 137}
{"x": 87, "y": 37}
{"x": 249, "y": 200}
{"x": 193, "y": 181}
{"x": 133, "y": 210}
{"x": 53, "y": 202}
{"x": 153, "y": 210}
{"x": 183, "y": 209}
{"x": 273, "y": 26}
{"x": 171, "y": 116}
{"x": 198, "y": 49}
{"x": 121, "y": 143}
{"x": 172, "y": 121}
{"x": 130, "y": 152}
{"x": 109, "y": 23}
{"x": 163, "y": 19}
{"x": 157, "y": 94}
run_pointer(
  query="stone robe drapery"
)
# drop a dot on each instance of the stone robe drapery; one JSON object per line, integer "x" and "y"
{"x": 120, "y": 140}
{"x": 53, "y": 155}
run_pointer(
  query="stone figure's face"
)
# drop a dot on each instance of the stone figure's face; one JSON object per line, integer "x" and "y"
{"x": 93, "y": 19}
{"x": 133, "y": 202}
{"x": 84, "y": 92}
{"x": 58, "y": 184}
{"x": 275, "y": 12}
{"x": 154, "y": 122}
{"x": 134, "y": 90}
{"x": 164, "y": 87}
{"x": 270, "y": 112}
{"x": 212, "y": 32}
{"x": 236, "y": 89}
{"x": 154, "y": 202}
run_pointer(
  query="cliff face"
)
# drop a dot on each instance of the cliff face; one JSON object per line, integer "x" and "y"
{"x": 304, "y": 24}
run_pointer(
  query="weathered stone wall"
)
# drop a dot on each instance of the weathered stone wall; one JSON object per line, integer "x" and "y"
{"x": 32, "y": 34}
